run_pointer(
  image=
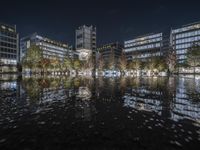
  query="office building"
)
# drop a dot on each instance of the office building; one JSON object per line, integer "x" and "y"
{"x": 144, "y": 47}
{"x": 110, "y": 49}
{"x": 9, "y": 48}
{"x": 184, "y": 37}
{"x": 51, "y": 48}
{"x": 86, "y": 38}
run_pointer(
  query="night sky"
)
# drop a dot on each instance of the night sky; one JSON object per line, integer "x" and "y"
{"x": 115, "y": 20}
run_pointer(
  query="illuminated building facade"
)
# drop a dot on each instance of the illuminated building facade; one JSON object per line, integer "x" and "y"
{"x": 144, "y": 47}
{"x": 50, "y": 47}
{"x": 180, "y": 39}
{"x": 9, "y": 48}
{"x": 183, "y": 38}
{"x": 86, "y": 38}
{"x": 107, "y": 50}
{"x": 85, "y": 43}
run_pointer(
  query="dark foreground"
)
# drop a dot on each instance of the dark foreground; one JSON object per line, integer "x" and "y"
{"x": 103, "y": 113}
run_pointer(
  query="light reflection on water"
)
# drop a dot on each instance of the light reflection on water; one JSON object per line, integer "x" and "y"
{"x": 88, "y": 100}
{"x": 178, "y": 98}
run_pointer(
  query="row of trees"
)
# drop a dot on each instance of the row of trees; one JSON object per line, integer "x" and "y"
{"x": 155, "y": 63}
{"x": 35, "y": 61}
{"x": 136, "y": 64}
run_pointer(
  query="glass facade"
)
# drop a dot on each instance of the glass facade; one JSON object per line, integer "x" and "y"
{"x": 183, "y": 38}
{"x": 144, "y": 47}
{"x": 9, "y": 53}
{"x": 86, "y": 38}
{"x": 50, "y": 47}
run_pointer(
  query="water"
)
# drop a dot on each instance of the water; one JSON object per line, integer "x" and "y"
{"x": 72, "y": 112}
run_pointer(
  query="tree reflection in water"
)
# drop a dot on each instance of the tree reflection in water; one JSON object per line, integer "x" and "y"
{"x": 166, "y": 96}
{"x": 121, "y": 110}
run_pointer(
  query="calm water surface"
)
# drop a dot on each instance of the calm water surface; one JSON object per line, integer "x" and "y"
{"x": 127, "y": 113}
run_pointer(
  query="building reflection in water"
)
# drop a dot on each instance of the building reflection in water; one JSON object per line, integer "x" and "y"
{"x": 186, "y": 103}
{"x": 167, "y": 109}
{"x": 145, "y": 94}
{"x": 84, "y": 93}
{"x": 44, "y": 91}
{"x": 175, "y": 98}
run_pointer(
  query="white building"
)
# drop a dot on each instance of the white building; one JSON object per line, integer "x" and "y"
{"x": 50, "y": 47}
{"x": 184, "y": 37}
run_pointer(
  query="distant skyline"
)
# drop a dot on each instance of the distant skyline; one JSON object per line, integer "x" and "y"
{"x": 115, "y": 21}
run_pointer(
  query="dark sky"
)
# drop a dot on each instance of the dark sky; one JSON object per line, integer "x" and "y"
{"x": 116, "y": 20}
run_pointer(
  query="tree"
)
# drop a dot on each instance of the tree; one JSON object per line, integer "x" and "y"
{"x": 55, "y": 62}
{"x": 77, "y": 64}
{"x": 161, "y": 64}
{"x": 193, "y": 56}
{"x": 136, "y": 64}
{"x": 171, "y": 60}
{"x": 129, "y": 65}
{"x": 44, "y": 63}
{"x": 111, "y": 63}
{"x": 145, "y": 65}
{"x": 32, "y": 57}
{"x": 151, "y": 64}
{"x": 67, "y": 63}
{"x": 26, "y": 63}
{"x": 89, "y": 64}
{"x": 101, "y": 63}
{"x": 122, "y": 62}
